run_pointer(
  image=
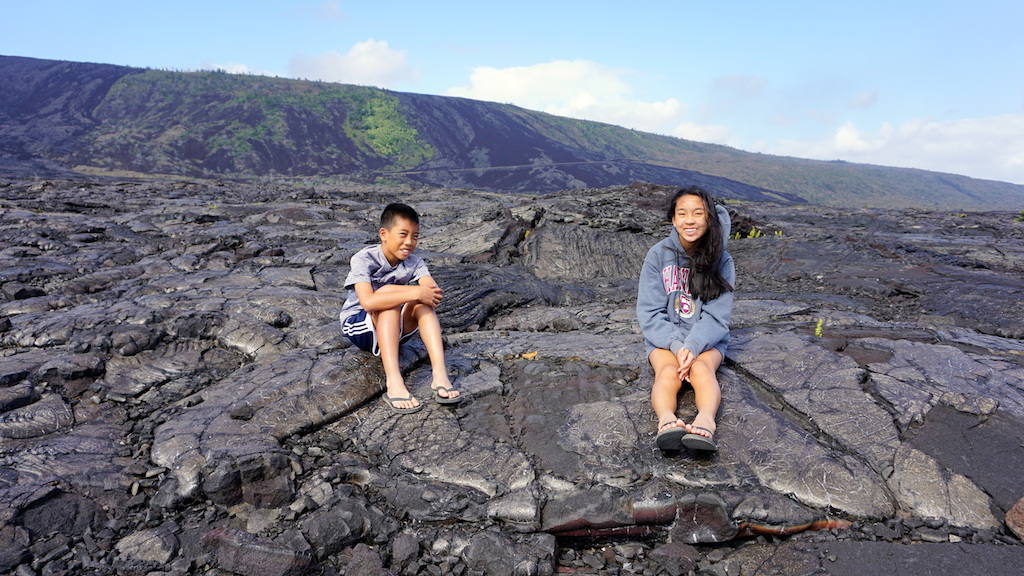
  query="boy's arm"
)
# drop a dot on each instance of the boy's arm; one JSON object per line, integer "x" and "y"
{"x": 394, "y": 295}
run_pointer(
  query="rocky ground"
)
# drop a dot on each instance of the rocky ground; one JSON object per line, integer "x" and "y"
{"x": 176, "y": 396}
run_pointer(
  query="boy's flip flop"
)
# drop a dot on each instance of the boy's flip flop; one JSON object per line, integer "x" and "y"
{"x": 698, "y": 442}
{"x": 391, "y": 403}
{"x": 668, "y": 438}
{"x": 446, "y": 399}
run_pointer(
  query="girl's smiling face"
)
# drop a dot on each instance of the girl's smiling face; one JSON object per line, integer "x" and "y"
{"x": 690, "y": 219}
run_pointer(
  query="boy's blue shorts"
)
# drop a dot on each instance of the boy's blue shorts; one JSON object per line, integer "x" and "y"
{"x": 359, "y": 329}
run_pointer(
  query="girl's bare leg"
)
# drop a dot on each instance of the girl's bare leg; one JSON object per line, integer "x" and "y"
{"x": 706, "y": 391}
{"x": 387, "y": 325}
{"x": 666, "y": 388}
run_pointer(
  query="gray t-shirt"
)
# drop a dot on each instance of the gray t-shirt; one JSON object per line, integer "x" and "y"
{"x": 370, "y": 265}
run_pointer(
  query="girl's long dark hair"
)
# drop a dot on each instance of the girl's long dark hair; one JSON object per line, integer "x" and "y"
{"x": 706, "y": 281}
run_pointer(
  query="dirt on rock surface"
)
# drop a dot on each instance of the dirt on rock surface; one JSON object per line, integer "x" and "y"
{"x": 176, "y": 396}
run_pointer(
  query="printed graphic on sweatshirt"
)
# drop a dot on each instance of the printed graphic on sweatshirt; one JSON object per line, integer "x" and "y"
{"x": 677, "y": 280}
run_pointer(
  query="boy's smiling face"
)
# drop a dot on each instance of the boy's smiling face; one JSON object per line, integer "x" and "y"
{"x": 400, "y": 240}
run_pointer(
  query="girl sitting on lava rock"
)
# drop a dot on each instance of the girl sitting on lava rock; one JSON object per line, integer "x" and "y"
{"x": 684, "y": 302}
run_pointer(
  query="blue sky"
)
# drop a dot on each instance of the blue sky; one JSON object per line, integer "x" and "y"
{"x": 936, "y": 85}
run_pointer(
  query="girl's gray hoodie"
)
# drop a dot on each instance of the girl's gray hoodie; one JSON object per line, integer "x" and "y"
{"x": 670, "y": 317}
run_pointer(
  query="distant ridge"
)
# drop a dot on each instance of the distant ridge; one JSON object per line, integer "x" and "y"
{"x": 57, "y": 117}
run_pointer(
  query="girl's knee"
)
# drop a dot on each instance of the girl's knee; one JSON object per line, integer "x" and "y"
{"x": 701, "y": 367}
{"x": 663, "y": 370}
{"x": 667, "y": 380}
{"x": 702, "y": 372}
{"x": 708, "y": 362}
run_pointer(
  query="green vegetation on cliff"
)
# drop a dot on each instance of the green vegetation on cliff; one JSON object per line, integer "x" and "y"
{"x": 226, "y": 123}
{"x": 383, "y": 125}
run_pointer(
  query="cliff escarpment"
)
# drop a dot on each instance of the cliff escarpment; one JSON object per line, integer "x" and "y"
{"x": 59, "y": 118}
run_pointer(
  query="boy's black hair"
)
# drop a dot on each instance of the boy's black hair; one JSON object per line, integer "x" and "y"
{"x": 706, "y": 281}
{"x": 392, "y": 212}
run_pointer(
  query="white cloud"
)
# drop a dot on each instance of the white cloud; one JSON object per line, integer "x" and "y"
{"x": 990, "y": 148}
{"x": 576, "y": 89}
{"x": 369, "y": 63}
{"x": 704, "y": 133}
{"x": 232, "y": 68}
{"x": 849, "y": 140}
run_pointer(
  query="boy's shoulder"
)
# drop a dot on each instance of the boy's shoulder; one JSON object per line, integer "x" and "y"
{"x": 372, "y": 251}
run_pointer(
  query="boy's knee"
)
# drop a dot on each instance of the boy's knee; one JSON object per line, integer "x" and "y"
{"x": 388, "y": 317}
{"x": 422, "y": 310}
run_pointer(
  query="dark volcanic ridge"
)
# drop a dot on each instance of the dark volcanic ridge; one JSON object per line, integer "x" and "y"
{"x": 57, "y": 117}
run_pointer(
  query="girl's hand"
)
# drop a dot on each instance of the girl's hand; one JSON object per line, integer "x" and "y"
{"x": 685, "y": 359}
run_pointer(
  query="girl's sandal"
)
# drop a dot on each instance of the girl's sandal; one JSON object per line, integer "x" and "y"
{"x": 669, "y": 436}
{"x": 698, "y": 442}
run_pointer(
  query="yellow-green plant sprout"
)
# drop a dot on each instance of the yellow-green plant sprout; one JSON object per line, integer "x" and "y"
{"x": 754, "y": 232}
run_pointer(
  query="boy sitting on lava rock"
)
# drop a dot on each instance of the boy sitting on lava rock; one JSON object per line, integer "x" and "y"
{"x": 391, "y": 297}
